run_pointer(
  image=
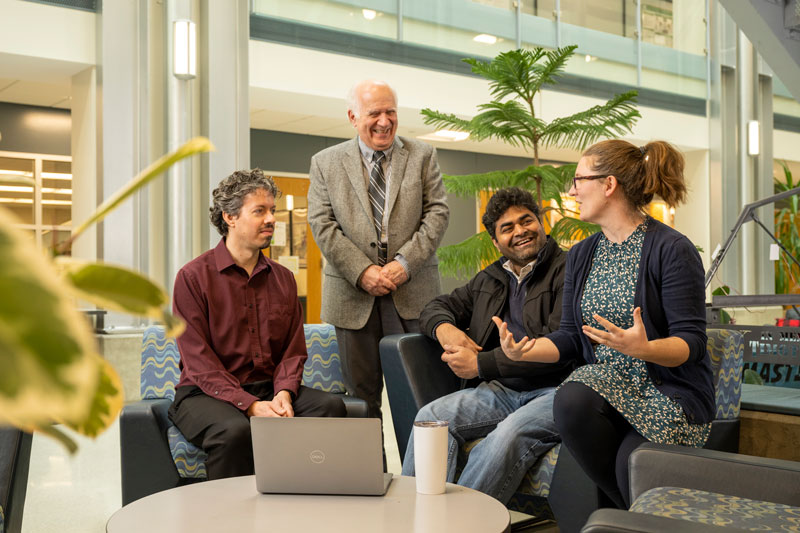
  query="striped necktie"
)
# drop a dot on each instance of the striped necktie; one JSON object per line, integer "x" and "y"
{"x": 377, "y": 198}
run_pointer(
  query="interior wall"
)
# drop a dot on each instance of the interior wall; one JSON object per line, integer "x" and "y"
{"x": 31, "y": 129}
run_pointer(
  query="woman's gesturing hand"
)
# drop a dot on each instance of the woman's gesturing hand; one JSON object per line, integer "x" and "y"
{"x": 514, "y": 350}
{"x": 631, "y": 341}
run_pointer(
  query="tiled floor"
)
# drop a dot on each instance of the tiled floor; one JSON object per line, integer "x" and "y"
{"x": 77, "y": 494}
{"x": 72, "y": 494}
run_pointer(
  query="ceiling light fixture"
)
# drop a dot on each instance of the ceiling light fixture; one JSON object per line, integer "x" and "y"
{"x": 445, "y": 135}
{"x": 369, "y": 14}
{"x": 57, "y": 175}
{"x": 485, "y": 38}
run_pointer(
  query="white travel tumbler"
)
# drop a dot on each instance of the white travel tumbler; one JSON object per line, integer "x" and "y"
{"x": 430, "y": 456}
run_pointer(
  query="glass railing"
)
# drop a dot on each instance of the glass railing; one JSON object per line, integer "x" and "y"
{"x": 656, "y": 44}
{"x": 375, "y": 18}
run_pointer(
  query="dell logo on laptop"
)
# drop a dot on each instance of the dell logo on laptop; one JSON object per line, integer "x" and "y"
{"x": 317, "y": 456}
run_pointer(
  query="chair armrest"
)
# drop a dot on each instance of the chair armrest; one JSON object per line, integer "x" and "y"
{"x": 757, "y": 478}
{"x": 415, "y": 375}
{"x": 145, "y": 460}
{"x": 356, "y": 407}
{"x": 15, "y": 458}
{"x": 619, "y": 521}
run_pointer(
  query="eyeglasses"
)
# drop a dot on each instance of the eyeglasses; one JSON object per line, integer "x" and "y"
{"x": 576, "y": 179}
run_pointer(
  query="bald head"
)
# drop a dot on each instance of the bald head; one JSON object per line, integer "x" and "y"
{"x": 372, "y": 110}
{"x": 353, "y": 95}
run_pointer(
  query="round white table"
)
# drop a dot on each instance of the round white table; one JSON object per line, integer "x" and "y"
{"x": 233, "y": 504}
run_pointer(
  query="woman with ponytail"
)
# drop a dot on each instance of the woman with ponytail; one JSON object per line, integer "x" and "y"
{"x": 634, "y": 311}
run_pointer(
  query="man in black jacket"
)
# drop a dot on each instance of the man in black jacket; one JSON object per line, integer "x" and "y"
{"x": 511, "y": 408}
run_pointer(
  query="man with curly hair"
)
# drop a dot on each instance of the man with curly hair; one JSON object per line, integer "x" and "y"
{"x": 511, "y": 408}
{"x": 243, "y": 350}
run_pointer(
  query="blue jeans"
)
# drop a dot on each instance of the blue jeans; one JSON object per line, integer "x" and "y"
{"x": 517, "y": 429}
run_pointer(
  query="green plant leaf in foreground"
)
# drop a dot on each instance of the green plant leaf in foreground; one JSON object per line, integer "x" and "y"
{"x": 119, "y": 289}
{"x": 193, "y": 146}
{"x": 50, "y": 368}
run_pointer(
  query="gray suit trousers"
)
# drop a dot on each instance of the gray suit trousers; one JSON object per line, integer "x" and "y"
{"x": 358, "y": 349}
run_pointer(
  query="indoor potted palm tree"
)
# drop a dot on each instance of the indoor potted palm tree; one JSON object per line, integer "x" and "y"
{"x": 515, "y": 77}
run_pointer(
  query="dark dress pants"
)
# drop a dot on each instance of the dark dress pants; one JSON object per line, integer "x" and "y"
{"x": 358, "y": 349}
{"x": 223, "y": 431}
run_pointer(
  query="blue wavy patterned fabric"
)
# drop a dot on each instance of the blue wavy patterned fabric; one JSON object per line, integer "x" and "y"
{"x": 537, "y": 480}
{"x": 323, "y": 369}
{"x": 160, "y": 371}
{"x": 189, "y": 459}
{"x": 717, "y": 509}
{"x": 726, "y": 348}
{"x": 160, "y": 374}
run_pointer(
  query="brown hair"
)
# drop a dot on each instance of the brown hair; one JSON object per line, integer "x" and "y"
{"x": 229, "y": 195}
{"x": 655, "y": 168}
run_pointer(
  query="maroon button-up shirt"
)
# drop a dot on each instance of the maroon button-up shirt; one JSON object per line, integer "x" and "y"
{"x": 238, "y": 329}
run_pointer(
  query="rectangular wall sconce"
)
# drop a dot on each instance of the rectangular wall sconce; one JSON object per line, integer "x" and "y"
{"x": 184, "y": 49}
{"x": 753, "y": 138}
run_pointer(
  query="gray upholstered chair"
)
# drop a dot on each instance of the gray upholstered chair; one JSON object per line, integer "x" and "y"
{"x": 688, "y": 489}
{"x": 155, "y": 456}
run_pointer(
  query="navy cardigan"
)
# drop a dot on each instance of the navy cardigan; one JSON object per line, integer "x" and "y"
{"x": 671, "y": 292}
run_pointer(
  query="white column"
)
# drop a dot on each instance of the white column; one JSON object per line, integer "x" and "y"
{"x": 225, "y": 36}
{"x": 84, "y": 159}
{"x": 182, "y": 108}
{"x": 120, "y": 85}
{"x": 746, "y": 81}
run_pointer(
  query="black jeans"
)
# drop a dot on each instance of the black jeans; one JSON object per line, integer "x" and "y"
{"x": 600, "y": 438}
{"x": 223, "y": 431}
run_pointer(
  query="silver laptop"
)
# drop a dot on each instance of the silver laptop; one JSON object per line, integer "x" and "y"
{"x": 319, "y": 456}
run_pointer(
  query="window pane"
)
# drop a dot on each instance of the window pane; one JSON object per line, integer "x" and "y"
{"x": 16, "y": 187}
{"x": 376, "y": 18}
{"x": 613, "y": 17}
{"x": 480, "y": 28}
{"x": 673, "y": 46}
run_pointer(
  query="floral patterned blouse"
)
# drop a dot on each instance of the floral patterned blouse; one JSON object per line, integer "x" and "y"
{"x": 623, "y": 381}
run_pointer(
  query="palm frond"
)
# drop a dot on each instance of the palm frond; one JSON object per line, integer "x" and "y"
{"x": 509, "y": 72}
{"x": 507, "y": 121}
{"x": 465, "y": 259}
{"x": 444, "y": 120}
{"x": 552, "y": 178}
{"x": 554, "y": 66}
{"x": 555, "y": 180}
{"x": 569, "y": 230}
{"x": 472, "y": 184}
{"x": 519, "y": 72}
{"x": 612, "y": 119}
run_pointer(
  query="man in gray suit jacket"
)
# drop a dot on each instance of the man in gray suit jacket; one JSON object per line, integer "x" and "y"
{"x": 377, "y": 209}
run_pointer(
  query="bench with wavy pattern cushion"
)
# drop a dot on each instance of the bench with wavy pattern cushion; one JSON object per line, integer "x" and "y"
{"x": 161, "y": 373}
{"x": 717, "y": 509}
